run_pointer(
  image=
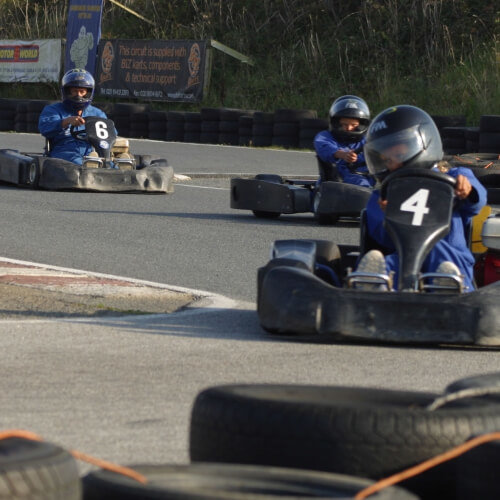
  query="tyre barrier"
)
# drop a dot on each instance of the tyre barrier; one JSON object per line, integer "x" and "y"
{"x": 209, "y": 481}
{"x": 37, "y": 470}
{"x": 288, "y": 128}
{"x": 369, "y": 433}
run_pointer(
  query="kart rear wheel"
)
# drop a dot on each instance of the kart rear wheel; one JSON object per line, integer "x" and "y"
{"x": 31, "y": 174}
{"x": 261, "y": 214}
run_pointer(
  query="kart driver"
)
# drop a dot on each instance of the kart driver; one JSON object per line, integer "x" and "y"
{"x": 77, "y": 89}
{"x": 407, "y": 137}
{"x": 342, "y": 144}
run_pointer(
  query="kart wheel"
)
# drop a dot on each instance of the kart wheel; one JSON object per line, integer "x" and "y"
{"x": 33, "y": 469}
{"x": 237, "y": 482}
{"x": 32, "y": 174}
{"x": 363, "y": 432}
{"x": 261, "y": 214}
{"x": 323, "y": 219}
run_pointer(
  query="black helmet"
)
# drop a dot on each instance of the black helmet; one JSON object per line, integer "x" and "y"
{"x": 349, "y": 106}
{"x": 412, "y": 135}
{"x": 77, "y": 78}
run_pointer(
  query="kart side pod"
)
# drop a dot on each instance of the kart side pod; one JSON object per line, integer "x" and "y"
{"x": 14, "y": 166}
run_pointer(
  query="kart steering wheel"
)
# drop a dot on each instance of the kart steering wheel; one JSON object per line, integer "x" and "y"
{"x": 80, "y": 135}
{"x": 416, "y": 172}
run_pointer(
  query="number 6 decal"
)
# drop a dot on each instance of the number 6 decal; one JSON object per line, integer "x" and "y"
{"x": 416, "y": 203}
{"x": 101, "y": 130}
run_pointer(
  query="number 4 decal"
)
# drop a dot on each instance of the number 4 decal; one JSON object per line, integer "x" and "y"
{"x": 416, "y": 203}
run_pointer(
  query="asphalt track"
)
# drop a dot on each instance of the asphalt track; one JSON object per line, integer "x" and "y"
{"x": 122, "y": 388}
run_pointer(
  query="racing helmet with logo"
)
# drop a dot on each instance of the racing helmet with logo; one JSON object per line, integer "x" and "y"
{"x": 77, "y": 78}
{"x": 402, "y": 136}
{"x": 349, "y": 106}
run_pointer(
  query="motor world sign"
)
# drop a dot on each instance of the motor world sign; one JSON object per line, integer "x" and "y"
{"x": 170, "y": 70}
{"x": 30, "y": 61}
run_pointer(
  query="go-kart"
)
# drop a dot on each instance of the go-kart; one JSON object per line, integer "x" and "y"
{"x": 109, "y": 167}
{"x": 270, "y": 195}
{"x": 308, "y": 287}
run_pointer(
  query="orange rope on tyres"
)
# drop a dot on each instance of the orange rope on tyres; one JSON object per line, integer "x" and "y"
{"x": 427, "y": 464}
{"x": 103, "y": 464}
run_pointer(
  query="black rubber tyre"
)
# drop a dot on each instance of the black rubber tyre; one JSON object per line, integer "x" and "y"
{"x": 489, "y": 142}
{"x": 270, "y": 178}
{"x": 489, "y": 123}
{"x": 363, "y": 432}
{"x": 475, "y": 382}
{"x": 226, "y": 482}
{"x": 477, "y": 475}
{"x": 294, "y": 115}
{"x": 37, "y": 470}
{"x": 31, "y": 174}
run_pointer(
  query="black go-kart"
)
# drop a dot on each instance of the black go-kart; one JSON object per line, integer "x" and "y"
{"x": 270, "y": 195}
{"x": 308, "y": 287}
{"x": 110, "y": 167}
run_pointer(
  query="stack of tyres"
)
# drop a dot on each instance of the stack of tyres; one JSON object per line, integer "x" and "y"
{"x": 175, "y": 126}
{"x": 122, "y": 116}
{"x": 210, "y": 118}
{"x": 454, "y": 140}
{"x": 309, "y": 127}
{"x": 229, "y": 125}
{"x": 287, "y": 125}
{"x": 245, "y": 125}
{"x": 157, "y": 128}
{"x": 139, "y": 125}
{"x": 472, "y": 139}
{"x": 7, "y": 114}
{"x": 489, "y": 134}
{"x": 21, "y": 119}
{"x": 34, "y": 108}
{"x": 262, "y": 129}
{"x": 192, "y": 126}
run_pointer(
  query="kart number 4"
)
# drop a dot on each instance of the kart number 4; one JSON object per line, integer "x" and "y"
{"x": 416, "y": 203}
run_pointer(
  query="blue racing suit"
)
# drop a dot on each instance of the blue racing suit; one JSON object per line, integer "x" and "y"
{"x": 452, "y": 247}
{"x": 62, "y": 144}
{"x": 326, "y": 146}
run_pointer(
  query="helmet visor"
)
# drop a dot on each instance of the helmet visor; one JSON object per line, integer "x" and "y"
{"x": 391, "y": 151}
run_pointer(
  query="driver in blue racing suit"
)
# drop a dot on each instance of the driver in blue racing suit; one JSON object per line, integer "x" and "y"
{"x": 77, "y": 89}
{"x": 407, "y": 137}
{"x": 341, "y": 146}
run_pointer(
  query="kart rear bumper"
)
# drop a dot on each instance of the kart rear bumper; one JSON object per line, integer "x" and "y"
{"x": 294, "y": 301}
{"x": 58, "y": 174}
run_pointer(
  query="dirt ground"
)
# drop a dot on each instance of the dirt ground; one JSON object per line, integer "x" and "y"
{"x": 18, "y": 301}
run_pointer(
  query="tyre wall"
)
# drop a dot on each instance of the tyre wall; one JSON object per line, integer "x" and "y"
{"x": 286, "y": 128}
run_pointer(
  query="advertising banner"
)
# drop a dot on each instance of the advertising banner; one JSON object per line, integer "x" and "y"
{"x": 162, "y": 70}
{"x": 30, "y": 61}
{"x": 83, "y": 34}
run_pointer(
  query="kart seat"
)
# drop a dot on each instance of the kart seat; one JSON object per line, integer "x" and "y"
{"x": 327, "y": 171}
